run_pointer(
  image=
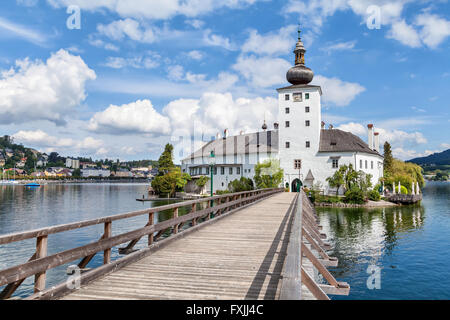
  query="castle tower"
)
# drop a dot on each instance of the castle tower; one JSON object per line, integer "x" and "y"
{"x": 300, "y": 121}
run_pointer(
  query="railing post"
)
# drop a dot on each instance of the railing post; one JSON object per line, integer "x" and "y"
{"x": 208, "y": 205}
{"x": 151, "y": 221}
{"x": 107, "y": 234}
{"x": 194, "y": 208}
{"x": 175, "y": 215}
{"x": 41, "y": 252}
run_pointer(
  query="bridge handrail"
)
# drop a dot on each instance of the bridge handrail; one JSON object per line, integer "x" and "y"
{"x": 40, "y": 262}
{"x": 24, "y": 235}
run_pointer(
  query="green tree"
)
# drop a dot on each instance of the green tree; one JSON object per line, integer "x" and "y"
{"x": 268, "y": 174}
{"x": 171, "y": 182}
{"x": 241, "y": 185}
{"x": 388, "y": 159}
{"x": 76, "y": 173}
{"x": 336, "y": 180}
{"x": 165, "y": 162}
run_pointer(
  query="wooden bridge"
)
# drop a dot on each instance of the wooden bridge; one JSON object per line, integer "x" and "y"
{"x": 263, "y": 244}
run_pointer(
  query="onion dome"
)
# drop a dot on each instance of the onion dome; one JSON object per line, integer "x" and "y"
{"x": 300, "y": 74}
{"x": 264, "y": 127}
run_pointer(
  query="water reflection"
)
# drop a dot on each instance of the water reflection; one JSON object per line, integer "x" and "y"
{"x": 410, "y": 244}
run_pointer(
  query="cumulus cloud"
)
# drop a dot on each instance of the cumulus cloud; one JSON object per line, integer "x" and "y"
{"x": 272, "y": 43}
{"x": 42, "y": 139}
{"x": 405, "y": 33}
{"x": 262, "y": 72}
{"x": 43, "y": 90}
{"x": 135, "y": 117}
{"x": 402, "y": 142}
{"x": 434, "y": 29}
{"x": 338, "y": 92}
{"x": 127, "y": 28}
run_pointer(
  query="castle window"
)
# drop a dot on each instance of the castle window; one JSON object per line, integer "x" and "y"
{"x": 286, "y": 97}
{"x": 335, "y": 163}
{"x": 360, "y": 164}
{"x": 308, "y": 123}
{"x": 288, "y": 110}
{"x": 222, "y": 170}
{"x": 306, "y": 96}
{"x": 308, "y": 144}
{"x": 231, "y": 170}
{"x": 366, "y": 164}
{"x": 297, "y": 164}
{"x": 238, "y": 169}
{"x": 288, "y": 124}
{"x": 298, "y": 97}
{"x": 207, "y": 171}
{"x": 371, "y": 165}
{"x": 307, "y": 109}
{"x": 215, "y": 171}
{"x": 288, "y": 145}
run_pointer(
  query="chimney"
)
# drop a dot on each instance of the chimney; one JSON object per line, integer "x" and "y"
{"x": 241, "y": 133}
{"x": 330, "y": 127}
{"x": 323, "y": 125}
{"x": 276, "y": 125}
{"x": 370, "y": 127}
{"x": 225, "y": 133}
{"x": 377, "y": 142}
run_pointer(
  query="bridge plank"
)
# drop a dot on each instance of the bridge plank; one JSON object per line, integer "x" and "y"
{"x": 238, "y": 257}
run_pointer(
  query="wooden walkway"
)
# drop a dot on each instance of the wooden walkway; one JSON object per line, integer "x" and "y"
{"x": 220, "y": 261}
{"x": 260, "y": 244}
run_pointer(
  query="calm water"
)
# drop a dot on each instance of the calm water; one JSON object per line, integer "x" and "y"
{"x": 23, "y": 209}
{"x": 411, "y": 246}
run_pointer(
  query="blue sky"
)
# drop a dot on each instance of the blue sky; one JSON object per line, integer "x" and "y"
{"x": 139, "y": 73}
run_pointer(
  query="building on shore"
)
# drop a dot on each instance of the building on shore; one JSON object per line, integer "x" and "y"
{"x": 95, "y": 173}
{"x": 72, "y": 163}
{"x": 308, "y": 152}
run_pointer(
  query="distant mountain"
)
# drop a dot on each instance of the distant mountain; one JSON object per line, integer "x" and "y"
{"x": 438, "y": 159}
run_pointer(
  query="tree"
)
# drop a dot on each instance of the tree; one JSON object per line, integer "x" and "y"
{"x": 171, "y": 182}
{"x": 388, "y": 160}
{"x": 241, "y": 185}
{"x": 76, "y": 173}
{"x": 165, "y": 162}
{"x": 268, "y": 174}
{"x": 337, "y": 180}
{"x": 53, "y": 157}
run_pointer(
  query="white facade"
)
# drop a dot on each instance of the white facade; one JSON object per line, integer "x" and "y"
{"x": 308, "y": 152}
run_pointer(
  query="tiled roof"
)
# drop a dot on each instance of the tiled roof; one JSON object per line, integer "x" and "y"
{"x": 335, "y": 140}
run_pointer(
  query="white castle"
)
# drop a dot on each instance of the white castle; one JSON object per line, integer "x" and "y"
{"x": 308, "y": 152}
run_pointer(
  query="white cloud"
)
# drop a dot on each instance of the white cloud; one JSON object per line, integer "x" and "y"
{"x": 262, "y": 72}
{"x": 338, "y": 92}
{"x": 102, "y": 44}
{"x": 38, "y": 90}
{"x": 154, "y": 9}
{"x": 135, "y": 117}
{"x": 272, "y": 43}
{"x": 17, "y": 30}
{"x": 127, "y": 28}
{"x": 434, "y": 29}
{"x": 135, "y": 62}
{"x": 215, "y": 40}
{"x": 340, "y": 46}
{"x": 214, "y": 112}
{"x": 195, "y": 23}
{"x": 195, "y": 55}
{"x": 405, "y": 33}
{"x": 42, "y": 139}
{"x": 401, "y": 141}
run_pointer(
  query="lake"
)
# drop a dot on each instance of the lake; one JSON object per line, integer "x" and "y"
{"x": 23, "y": 209}
{"x": 408, "y": 247}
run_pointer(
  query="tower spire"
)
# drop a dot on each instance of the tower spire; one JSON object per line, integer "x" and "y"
{"x": 300, "y": 74}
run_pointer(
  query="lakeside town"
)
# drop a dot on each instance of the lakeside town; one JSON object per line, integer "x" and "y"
{"x": 20, "y": 163}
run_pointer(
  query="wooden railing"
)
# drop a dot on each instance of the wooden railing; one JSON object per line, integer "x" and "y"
{"x": 305, "y": 236}
{"x": 40, "y": 262}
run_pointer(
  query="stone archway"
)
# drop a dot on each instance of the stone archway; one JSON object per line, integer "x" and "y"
{"x": 296, "y": 185}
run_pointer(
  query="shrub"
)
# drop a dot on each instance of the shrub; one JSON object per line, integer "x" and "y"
{"x": 355, "y": 195}
{"x": 404, "y": 190}
{"x": 222, "y": 192}
{"x": 374, "y": 195}
{"x": 241, "y": 185}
